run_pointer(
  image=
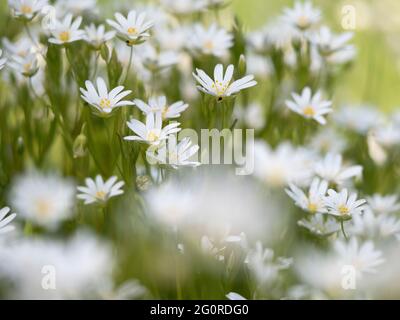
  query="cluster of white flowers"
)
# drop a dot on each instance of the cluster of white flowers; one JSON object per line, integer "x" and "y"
{"x": 96, "y": 146}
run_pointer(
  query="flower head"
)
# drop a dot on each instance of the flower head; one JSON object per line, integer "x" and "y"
{"x": 27, "y": 65}
{"x": 98, "y": 190}
{"x": 310, "y": 106}
{"x": 152, "y": 131}
{"x": 380, "y": 204}
{"x": 66, "y": 31}
{"x": 133, "y": 29}
{"x": 45, "y": 200}
{"x": 159, "y": 104}
{"x": 320, "y": 224}
{"x": 343, "y": 205}
{"x": 26, "y": 9}
{"x": 5, "y": 221}
{"x": 302, "y": 16}
{"x": 96, "y": 36}
{"x": 101, "y": 99}
{"x": 222, "y": 85}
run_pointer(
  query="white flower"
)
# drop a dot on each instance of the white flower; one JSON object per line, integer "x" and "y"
{"x": 313, "y": 202}
{"x": 66, "y": 31}
{"x": 45, "y": 200}
{"x": 342, "y": 204}
{"x": 99, "y": 190}
{"x": 28, "y": 65}
{"x": 103, "y": 100}
{"x": 388, "y": 135}
{"x": 133, "y": 29}
{"x": 3, "y": 61}
{"x": 320, "y": 224}
{"x": 371, "y": 226}
{"x": 331, "y": 169}
{"x": 235, "y": 296}
{"x": 303, "y": 16}
{"x": 310, "y": 106}
{"x": 159, "y": 104}
{"x": 77, "y": 268}
{"x": 380, "y": 204}
{"x": 152, "y": 132}
{"x": 96, "y": 36}
{"x": 364, "y": 258}
{"x": 286, "y": 164}
{"x": 221, "y": 86}
{"x": 22, "y": 47}
{"x": 76, "y": 6}
{"x": 174, "y": 154}
{"x": 184, "y": 7}
{"x": 4, "y": 221}
{"x": 332, "y": 46}
{"x": 156, "y": 60}
{"x": 26, "y": 9}
{"x": 359, "y": 118}
{"x": 212, "y": 41}
{"x": 252, "y": 116}
{"x": 328, "y": 140}
{"x": 264, "y": 265}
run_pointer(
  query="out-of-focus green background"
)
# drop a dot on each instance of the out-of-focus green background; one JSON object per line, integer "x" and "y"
{"x": 375, "y": 77}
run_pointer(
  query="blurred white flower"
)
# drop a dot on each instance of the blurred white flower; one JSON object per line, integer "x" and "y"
{"x": 328, "y": 140}
{"x": 5, "y": 221}
{"x": 21, "y": 47}
{"x": 358, "y": 118}
{"x": 343, "y": 205}
{"x": 96, "y": 36}
{"x": 98, "y": 190}
{"x": 286, "y": 164}
{"x": 264, "y": 265}
{"x": 66, "y": 30}
{"x": 320, "y": 224}
{"x": 43, "y": 199}
{"x": 3, "y": 60}
{"x": 331, "y": 169}
{"x": 221, "y": 87}
{"x": 155, "y": 60}
{"x": 259, "y": 65}
{"x": 76, "y": 6}
{"x": 252, "y": 116}
{"x": 380, "y": 204}
{"x": 211, "y": 41}
{"x": 235, "y": 296}
{"x": 310, "y": 106}
{"x": 74, "y": 269}
{"x": 103, "y": 100}
{"x": 313, "y": 202}
{"x": 159, "y": 104}
{"x": 174, "y": 154}
{"x": 152, "y": 132}
{"x": 133, "y": 29}
{"x": 184, "y": 7}
{"x": 26, "y": 9}
{"x": 388, "y": 135}
{"x": 28, "y": 65}
{"x": 129, "y": 290}
{"x": 302, "y": 16}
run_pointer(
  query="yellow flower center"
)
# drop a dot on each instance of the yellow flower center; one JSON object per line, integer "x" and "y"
{"x": 220, "y": 88}
{"x": 105, "y": 103}
{"x": 343, "y": 210}
{"x": 64, "y": 36}
{"x": 209, "y": 45}
{"x": 43, "y": 207}
{"x": 312, "y": 207}
{"x": 303, "y": 22}
{"x": 132, "y": 31}
{"x": 173, "y": 157}
{"x": 27, "y": 67}
{"x": 26, "y": 9}
{"x": 101, "y": 195}
{"x": 309, "y": 111}
{"x": 152, "y": 136}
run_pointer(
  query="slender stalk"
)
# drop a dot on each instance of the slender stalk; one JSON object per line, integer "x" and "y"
{"x": 129, "y": 65}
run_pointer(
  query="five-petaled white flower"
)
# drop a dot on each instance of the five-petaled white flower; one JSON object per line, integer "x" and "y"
{"x": 103, "y": 100}
{"x": 96, "y": 36}
{"x": 211, "y": 41}
{"x": 4, "y": 221}
{"x": 26, "y": 9}
{"x": 332, "y": 170}
{"x": 343, "y": 205}
{"x": 314, "y": 201}
{"x": 98, "y": 190}
{"x": 222, "y": 87}
{"x": 310, "y": 106}
{"x": 302, "y": 16}
{"x": 27, "y": 65}
{"x": 174, "y": 154}
{"x": 133, "y": 29}
{"x": 66, "y": 31}
{"x": 152, "y": 132}
{"x": 159, "y": 104}
{"x": 3, "y": 61}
